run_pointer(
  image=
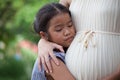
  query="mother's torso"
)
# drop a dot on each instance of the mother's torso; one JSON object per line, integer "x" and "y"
{"x": 100, "y": 15}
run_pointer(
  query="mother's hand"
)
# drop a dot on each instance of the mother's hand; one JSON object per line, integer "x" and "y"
{"x": 45, "y": 50}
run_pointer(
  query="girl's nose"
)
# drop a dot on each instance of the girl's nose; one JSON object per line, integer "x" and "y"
{"x": 67, "y": 32}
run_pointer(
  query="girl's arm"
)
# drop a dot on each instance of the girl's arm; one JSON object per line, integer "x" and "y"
{"x": 61, "y": 72}
{"x": 36, "y": 73}
{"x": 45, "y": 49}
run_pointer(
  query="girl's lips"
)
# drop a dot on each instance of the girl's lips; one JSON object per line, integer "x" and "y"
{"x": 69, "y": 38}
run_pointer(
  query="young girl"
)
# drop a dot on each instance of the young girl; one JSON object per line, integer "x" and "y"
{"x": 53, "y": 23}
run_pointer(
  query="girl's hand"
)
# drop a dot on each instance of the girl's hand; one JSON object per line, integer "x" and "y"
{"x": 45, "y": 49}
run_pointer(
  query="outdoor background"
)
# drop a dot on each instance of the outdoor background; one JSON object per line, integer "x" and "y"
{"x": 18, "y": 41}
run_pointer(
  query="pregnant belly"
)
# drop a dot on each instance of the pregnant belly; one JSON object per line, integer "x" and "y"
{"x": 94, "y": 62}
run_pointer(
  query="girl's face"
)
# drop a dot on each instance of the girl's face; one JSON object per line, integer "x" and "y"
{"x": 61, "y": 30}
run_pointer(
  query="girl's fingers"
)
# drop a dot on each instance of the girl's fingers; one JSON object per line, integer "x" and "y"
{"x": 48, "y": 64}
{"x": 39, "y": 63}
{"x": 55, "y": 60}
{"x": 44, "y": 64}
{"x": 59, "y": 47}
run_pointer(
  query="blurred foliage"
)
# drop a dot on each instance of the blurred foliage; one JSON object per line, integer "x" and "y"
{"x": 16, "y": 19}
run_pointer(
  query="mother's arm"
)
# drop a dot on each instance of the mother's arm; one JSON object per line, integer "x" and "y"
{"x": 114, "y": 76}
{"x": 65, "y": 2}
{"x": 61, "y": 72}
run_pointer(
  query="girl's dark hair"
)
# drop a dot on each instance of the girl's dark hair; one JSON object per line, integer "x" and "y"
{"x": 46, "y": 13}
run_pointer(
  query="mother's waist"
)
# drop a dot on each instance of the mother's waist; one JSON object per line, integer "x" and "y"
{"x": 99, "y": 32}
{"x": 87, "y": 36}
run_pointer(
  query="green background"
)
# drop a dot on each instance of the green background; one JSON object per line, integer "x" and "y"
{"x": 16, "y": 25}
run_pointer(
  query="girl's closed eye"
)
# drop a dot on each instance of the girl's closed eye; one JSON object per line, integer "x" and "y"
{"x": 58, "y": 29}
{"x": 70, "y": 24}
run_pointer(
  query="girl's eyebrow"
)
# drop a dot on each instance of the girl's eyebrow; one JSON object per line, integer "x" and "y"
{"x": 60, "y": 25}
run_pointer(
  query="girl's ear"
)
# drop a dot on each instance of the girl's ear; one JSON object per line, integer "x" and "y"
{"x": 43, "y": 35}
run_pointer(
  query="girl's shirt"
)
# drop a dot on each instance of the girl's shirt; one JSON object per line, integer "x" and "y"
{"x": 40, "y": 74}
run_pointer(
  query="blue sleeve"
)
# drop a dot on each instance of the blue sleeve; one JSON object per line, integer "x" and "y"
{"x": 60, "y": 55}
{"x": 36, "y": 73}
{"x": 40, "y": 75}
